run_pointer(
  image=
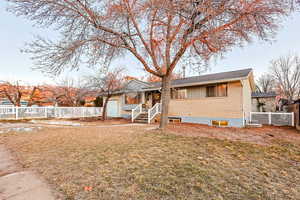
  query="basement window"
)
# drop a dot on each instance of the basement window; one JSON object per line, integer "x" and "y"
{"x": 174, "y": 120}
{"x": 219, "y": 123}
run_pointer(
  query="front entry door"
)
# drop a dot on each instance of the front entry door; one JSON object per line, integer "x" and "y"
{"x": 155, "y": 98}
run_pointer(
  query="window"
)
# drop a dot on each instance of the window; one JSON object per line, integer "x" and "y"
{"x": 132, "y": 98}
{"x": 178, "y": 94}
{"x": 219, "y": 90}
{"x": 222, "y": 90}
{"x": 211, "y": 91}
{"x": 219, "y": 123}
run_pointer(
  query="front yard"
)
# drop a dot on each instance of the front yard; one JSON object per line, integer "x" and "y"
{"x": 190, "y": 162}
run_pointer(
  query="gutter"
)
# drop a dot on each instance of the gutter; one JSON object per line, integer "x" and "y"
{"x": 242, "y": 97}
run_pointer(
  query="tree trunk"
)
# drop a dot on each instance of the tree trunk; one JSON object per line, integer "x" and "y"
{"x": 104, "y": 108}
{"x": 165, "y": 98}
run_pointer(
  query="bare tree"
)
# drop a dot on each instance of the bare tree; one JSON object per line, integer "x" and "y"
{"x": 286, "y": 72}
{"x": 72, "y": 92}
{"x": 265, "y": 83}
{"x": 15, "y": 93}
{"x": 151, "y": 78}
{"x": 107, "y": 82}
{"x": 67, "y": 92}
{"x": 52, "y": 94}
{"x": 159, "y": 33}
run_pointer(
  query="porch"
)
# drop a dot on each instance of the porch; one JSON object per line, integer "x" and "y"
{"x": 146, "y": 105}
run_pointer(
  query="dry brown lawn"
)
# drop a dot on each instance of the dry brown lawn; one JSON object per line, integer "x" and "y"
{"x": 133, "y": 163}
{"x": 266, "y": 135}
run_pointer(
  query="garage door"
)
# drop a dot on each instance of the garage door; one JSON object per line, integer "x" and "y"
{"x": 112, "y": 109}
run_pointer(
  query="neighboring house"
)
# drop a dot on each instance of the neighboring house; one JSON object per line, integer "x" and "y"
{"x": 264, "y": 102}
{"x": 295, "y": 108}
{"x": 5, "y": 102}
{"x": 213, "y": 99}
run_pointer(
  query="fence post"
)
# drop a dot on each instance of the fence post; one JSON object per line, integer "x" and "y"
{"x": 17, "y": 112}
{"x": 46, "y": 112}
{"x": 293, "y": 119}
{"x": 55, "y": 112}
{"x": 270, "y": 118}
{"x": 250, "y": 117}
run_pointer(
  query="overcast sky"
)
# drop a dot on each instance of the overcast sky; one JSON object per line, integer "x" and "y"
{"x": 16, "y": 31}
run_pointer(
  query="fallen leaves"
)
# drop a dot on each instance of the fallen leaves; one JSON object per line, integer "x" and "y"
{"x": 88, "y": 188}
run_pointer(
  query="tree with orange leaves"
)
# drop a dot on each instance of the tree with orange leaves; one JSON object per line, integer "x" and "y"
{"x": 158, "y": 33}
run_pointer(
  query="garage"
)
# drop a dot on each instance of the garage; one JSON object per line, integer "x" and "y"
{"x": 113, "y": 108}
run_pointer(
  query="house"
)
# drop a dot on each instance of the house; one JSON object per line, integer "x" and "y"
{"x": 4, "y": 102}
{"x": 213, "y": 99}
{"x": 264, "y": 101}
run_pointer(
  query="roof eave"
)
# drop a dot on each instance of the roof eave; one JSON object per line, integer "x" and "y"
{"x": 209, "y": 82}
{"x": 263, "y": 96}
{"x": 200, "y": 83}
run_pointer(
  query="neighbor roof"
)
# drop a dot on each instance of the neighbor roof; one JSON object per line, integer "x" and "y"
{"x": 209, "y": 78}
{"x": 263, "y": 94}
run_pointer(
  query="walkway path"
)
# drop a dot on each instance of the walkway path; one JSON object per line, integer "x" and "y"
{"x": 17, "y": 184}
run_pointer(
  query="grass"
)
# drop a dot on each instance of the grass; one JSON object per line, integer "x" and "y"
{"x": 131, "y": 163}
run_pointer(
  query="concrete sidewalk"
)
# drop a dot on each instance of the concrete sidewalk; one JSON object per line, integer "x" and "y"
{"x": 17, "y": 184}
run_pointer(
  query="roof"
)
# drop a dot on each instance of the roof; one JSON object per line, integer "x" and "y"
{"x": 263, "y": 94}
{"x": 209, "y": 78}
{"x": 137, "y": 85}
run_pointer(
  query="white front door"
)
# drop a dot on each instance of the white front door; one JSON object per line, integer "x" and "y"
{"x": 112, "y": 109}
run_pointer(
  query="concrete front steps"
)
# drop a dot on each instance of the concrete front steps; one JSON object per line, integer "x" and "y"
{"x": 142, "y": 118}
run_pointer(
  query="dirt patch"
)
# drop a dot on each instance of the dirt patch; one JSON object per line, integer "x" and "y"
{"x": 97, "y": 121}
{"x": 263, "y": 136}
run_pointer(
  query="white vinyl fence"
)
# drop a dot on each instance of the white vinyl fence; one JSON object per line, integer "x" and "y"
{"x": 15, "y": 113}
{"x": 272, "y": 118}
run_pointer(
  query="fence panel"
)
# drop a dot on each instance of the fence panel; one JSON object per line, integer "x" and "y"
{"x": 32, "y": 112}
{"x": 7, "y": 113}
{"x": 282, "y": 119}
{"x": 11, "y": 113}
{"x": 271, "y": 118}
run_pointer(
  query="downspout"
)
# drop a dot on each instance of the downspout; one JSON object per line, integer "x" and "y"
{"x": 242, "y": 96}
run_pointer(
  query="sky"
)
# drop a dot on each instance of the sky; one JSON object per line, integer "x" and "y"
{"x": 16, "y": 31}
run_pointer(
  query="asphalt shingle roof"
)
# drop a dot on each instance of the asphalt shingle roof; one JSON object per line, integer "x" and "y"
{"x": 263, "y": 94}
{"x": 209, "y": 77}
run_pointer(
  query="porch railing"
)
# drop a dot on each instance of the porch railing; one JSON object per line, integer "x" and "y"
{"x": 136, "y": 112}
{"x": 152, "y": 112}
